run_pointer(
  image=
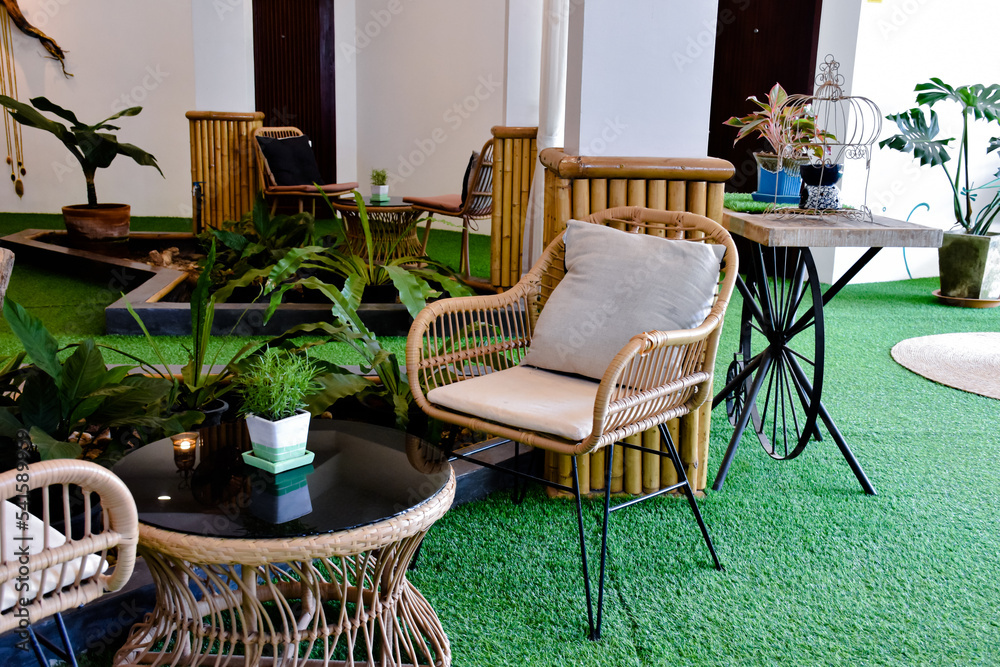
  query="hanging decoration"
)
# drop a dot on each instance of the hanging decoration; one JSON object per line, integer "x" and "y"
{"x": 8, "y": 87}
{"x": 8, "y": 83}
{"x": 17, "y": 17}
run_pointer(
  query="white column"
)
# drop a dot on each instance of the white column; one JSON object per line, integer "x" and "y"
{"x": 633, "y": 87}
{"x": 223, "y": 56}
{"x": 522, "y": 62}
{"x": 551, "y": 118}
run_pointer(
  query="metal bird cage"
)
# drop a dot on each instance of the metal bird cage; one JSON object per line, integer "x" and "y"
{"x": 828, "y": 129}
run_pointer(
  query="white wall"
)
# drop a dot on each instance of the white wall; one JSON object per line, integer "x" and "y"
{"x": 429, "y": 88}
{"x": 627, "y": 92}
{"x": 522, "y": 62}
{"x": 122, "y": 53}
{"x": 346, "y": 90}
{"x": 902, "y": 43}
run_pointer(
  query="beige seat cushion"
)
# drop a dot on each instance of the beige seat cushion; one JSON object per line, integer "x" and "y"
{"x": 618, "y": 285}
{"x": 36, "y": 531}
{"x": 526, "y": 398}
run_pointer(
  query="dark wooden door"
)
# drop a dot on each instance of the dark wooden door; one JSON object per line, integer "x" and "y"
{"x": 293, "y": 72}
{"x": 758, "y": 43}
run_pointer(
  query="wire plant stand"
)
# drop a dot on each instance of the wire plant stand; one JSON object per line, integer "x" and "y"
{"x": 845, "y": 128}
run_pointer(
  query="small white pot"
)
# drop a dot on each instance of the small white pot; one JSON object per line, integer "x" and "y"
{"x": 380, "y": 192}
{"x": 281, "y": 440}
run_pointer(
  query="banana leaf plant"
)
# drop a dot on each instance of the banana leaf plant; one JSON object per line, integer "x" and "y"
{"x": 54, "y": 398}
{"x": 93, "y": 146}
{"x": 918, "y": 135}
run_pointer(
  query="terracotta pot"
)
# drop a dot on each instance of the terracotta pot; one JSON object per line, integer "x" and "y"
{"x": 102, "y": 222}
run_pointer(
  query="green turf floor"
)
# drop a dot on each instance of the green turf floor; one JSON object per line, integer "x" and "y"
{"x": 817, "y": 573}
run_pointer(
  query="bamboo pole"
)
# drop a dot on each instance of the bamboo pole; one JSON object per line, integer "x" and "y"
{"x": 496, "y": 221}
{"x": 597, "y": 463}
{"x": 581, "y": 198}
{"x": 656, "y": 195}
{"x": 714, "y": 201}
{"x": 507, "y": 202}
{"x": 632, "y": 468}
{"x": 637, "y": 192}
{"x": 697, "y": 193}
{"x": 583, "y": 464}
{"x": 651, "y": 462}
{"x": 668, "y": 476}
{"x": 617, "y": 192}
{"x": 704, "y": 436}
{"x": 689, "y": 444}
{"x": 598, "y": 195}
{"x": 617, "y": 470}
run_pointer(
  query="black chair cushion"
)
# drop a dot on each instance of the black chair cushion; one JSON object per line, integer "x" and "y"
{"x": 291, "y": 160}
{"x": 466, "y": 185}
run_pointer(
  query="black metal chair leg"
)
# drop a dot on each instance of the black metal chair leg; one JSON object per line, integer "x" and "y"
{"x": 609, "y": 460}
{"x": 682, "y": 477}
{"x": 583, "y": 545}
{"x": 66, "y": 654}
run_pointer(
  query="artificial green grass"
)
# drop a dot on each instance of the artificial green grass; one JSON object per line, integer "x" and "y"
{"x": 817, "y": 573}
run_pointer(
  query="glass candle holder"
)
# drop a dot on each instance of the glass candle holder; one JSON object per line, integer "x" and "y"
{"x": 185, "y": 446}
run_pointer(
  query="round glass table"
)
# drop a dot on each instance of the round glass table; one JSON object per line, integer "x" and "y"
{"x": 309, "y": 564}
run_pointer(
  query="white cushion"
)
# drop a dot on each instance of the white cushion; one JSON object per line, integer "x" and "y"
{"x": 36, "y": 530}
{"x": 527, "y": 398}
{"x": 618, "y": 285}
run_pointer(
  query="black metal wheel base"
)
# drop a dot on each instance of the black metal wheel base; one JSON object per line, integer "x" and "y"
{"x": 783, "y": 332}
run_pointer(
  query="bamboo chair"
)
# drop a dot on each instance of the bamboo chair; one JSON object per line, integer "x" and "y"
{"x": 477, "y": 203}
{"x": 299, "y": 192}
{"x": 455, "y": 340}
{"x": 64, "y": 570}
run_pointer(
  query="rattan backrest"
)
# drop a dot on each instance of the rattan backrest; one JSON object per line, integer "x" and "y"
{"x": 479, "y": 202}
{"x": 266, "y": 177}
{"x": 63, "y": 484}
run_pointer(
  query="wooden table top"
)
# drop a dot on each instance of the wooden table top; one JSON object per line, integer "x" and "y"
{"x": 829, "y": 231}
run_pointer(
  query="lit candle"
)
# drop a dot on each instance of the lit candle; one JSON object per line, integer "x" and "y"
{"x": 185, "y": 445}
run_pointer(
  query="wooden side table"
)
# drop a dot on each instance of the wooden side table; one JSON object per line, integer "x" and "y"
{"x": 775, "y": 382}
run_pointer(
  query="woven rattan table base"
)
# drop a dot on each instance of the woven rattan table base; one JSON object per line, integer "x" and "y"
{"x": 319, "y": 600}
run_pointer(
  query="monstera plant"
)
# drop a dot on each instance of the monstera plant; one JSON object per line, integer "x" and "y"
{"x": 94, "y": 147}
{"x": 969, "y": 259}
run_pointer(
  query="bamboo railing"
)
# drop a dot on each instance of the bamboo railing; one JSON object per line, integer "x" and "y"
{"x": 222, "y": 161}
{"x": 514, "y": 158}
{"x": 575, "y": 187}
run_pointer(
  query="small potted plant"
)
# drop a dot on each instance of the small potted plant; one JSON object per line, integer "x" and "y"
{"x": 792, "y": 126}
{"x": 94, "y": 147}
{"x": 969, "y": 258}
{"x": 274, "y": 386}
{"x": 380, "y": 190}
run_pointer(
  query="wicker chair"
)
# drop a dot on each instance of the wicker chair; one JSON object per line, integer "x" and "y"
{"x": 63, "y": 570}
{"x": 299, "y": 192}
{"x": 476, "y": 205}
{"x": 657, "y": 376}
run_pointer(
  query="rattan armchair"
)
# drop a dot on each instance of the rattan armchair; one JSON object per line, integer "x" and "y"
{"x": 297, "y": 192}
{"x": 61, "y": 570}
{"x": 477, "y": 203}
{"x": 657, "y": 376}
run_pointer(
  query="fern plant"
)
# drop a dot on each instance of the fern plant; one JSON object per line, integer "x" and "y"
{"x": 275, "y": 384}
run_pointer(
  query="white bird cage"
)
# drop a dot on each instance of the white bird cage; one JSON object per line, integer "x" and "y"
{"x": 843, "y": 128}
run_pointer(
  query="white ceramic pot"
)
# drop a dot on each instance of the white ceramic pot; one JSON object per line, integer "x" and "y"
{"x": 281, "y": 440}
{"x": 380, "y": 193}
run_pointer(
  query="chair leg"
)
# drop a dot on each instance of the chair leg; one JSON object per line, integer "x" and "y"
{"x": 682, "y": 476}
{"x": 583, "y": 545}
{"x": 427, "y": 236}
{"x": 608, "y": 465}
{"x": 66, "y": 653}
{"x": 463, "y": 263}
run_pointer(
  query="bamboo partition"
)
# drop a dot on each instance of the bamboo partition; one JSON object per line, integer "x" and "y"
{"x": 515, "y": 152}
{"x": 575, "y": 187}
{"x": 222, "y": 160}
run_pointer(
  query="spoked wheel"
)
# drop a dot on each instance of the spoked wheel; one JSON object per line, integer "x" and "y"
{"x": 737, "y": 399}
{"x": 786, "y": 332}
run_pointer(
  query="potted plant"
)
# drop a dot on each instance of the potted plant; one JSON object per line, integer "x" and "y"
{"x": 779, "y": 124}
{"x": 380, "y": 190}
{"x": 969, "y": 258}
{"x": 94, "y": 147}
{"x": 274, "y": 386}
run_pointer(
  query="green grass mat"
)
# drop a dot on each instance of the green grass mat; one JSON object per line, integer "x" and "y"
{"x": 817, "y": 573}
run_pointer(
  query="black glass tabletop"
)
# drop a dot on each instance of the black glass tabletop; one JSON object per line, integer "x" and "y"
{"x": 361, "y": 474}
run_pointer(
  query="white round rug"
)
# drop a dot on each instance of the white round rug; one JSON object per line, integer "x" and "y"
{"x": 966, "y": 361}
